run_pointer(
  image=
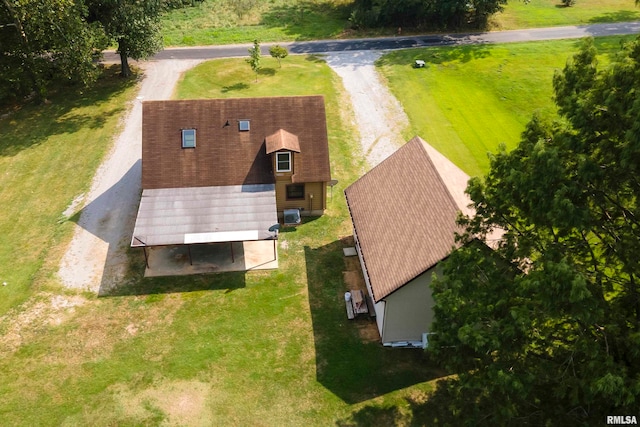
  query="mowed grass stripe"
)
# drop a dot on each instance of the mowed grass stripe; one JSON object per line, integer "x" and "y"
{"x": 549, "y": 13}
{"x": 470, "y": 99}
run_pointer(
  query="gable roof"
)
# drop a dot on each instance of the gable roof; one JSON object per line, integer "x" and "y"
{"x": 282, "y": 140}
{"x": 223, "y": 154}
{"x": 404, "y": 214}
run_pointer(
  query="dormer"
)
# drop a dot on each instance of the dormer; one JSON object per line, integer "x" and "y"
{"x": 281, "y": 146}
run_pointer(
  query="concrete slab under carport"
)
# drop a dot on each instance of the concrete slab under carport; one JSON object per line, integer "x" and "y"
{"x": 211, "y": 258}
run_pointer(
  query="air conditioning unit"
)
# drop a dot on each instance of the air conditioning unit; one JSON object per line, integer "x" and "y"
{"x": 292, "y": 217}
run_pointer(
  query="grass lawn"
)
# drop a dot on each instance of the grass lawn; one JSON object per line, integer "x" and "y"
{"x": 264, "y": 348}
{"x": 469, "y": 99}
{"x": 48, "y": 154}
{"x": 549, "y": 13}
{"x": 225, "y": 22}
{"x": 232, "y": 21}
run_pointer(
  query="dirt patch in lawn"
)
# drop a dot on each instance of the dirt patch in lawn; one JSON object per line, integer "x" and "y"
{"x": 27, "y": 322}
{"x": 179, "y": 403}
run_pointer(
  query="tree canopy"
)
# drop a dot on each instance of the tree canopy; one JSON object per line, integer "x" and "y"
{"x": 546, "y": 328}
{"x": 44, "y": 38}
{"x": 448, "y": 14}
{"x": 58, "y": 40}
{"x": 134, "y": 25}
{"x": 279, "y": 53}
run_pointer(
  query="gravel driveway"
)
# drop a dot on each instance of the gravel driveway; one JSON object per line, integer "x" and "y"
{"x": 379, "y": 116}
{"x": 96, "y": 257}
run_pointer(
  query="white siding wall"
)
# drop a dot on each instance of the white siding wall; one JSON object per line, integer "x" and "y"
{"x": 409, "y": 310}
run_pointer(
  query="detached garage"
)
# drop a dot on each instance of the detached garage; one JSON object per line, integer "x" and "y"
{"x": 404, "y": 215}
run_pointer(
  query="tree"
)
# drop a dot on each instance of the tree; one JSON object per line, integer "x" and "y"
{"x": 279, "y": 53}
{"x": 254, "y": 58}
{"x": 44, "y": 40}
{"x": 134, "y": 25}
{"x": 546, "y": 328}
{"x": 444, "y": 13}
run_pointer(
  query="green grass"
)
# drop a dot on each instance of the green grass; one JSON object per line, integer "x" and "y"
{"x": 48, "y": 154}
{"x": 548, "y": 13}
{"x": 226, "y": 22}
{"x": 469, "y": 99}
{"x": 263, "y": 348}
{"x": 221, "y": 22}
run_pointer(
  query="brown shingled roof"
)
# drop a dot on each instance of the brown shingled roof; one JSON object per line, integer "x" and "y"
{"x": 404, "y": 217}
{"x": 282, "y": 140}
{"x": 224, "y": 155}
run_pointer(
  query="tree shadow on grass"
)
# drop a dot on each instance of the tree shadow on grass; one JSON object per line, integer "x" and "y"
{"x": 318, "y": 59}
{"x": 267, "y": 71}
{"x": 447, "y": 405}
{"x": 235, "y": 87}
{"x": 618, "y": 16}
{"x": 374, "y": 416}
{"x": 351, "y": 367}
{"x": 306, "y": 20}
{"x": 436, "y": 55}
{"x": 33, "y": 123}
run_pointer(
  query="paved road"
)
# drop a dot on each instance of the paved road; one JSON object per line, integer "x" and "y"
{"x": 389, "y": 43}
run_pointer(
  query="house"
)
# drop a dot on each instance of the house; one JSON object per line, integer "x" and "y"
{"x": 404, "y": 215}
{"x": 225, "y": 170}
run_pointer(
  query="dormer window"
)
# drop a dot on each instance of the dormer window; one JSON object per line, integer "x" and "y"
{"x": 244, "y": 125}
{"x": 188, "y": 138}
{"x": 283, "y": 161}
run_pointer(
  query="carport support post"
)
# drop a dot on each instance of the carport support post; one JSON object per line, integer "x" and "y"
{"x": 146, "y": 257}
{"x": 232, "y": 257}
{"x": 190, "y": 259}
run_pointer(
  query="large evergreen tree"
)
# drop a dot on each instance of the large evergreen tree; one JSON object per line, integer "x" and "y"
{"x": 546, "y": 329}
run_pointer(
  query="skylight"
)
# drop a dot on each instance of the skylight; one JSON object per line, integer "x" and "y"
{"x": 188, "y": 138}
{"x": 244, "y": 125}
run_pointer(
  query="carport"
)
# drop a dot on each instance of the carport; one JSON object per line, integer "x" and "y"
{"x": 205, "y": 215}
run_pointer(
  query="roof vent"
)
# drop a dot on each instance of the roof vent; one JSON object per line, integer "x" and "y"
{"x": 244, "y": 125}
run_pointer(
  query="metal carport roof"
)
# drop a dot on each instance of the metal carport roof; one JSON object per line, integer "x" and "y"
{"x": 182, "y": 216}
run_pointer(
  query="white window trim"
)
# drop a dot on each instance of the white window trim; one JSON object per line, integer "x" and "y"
{"x": 288, "y": 154}
{"x": 194, "y": 137}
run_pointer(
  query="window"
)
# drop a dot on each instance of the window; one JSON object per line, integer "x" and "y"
{"x": 188, "y": 138}
{"x": 283, "y": 162}
{"x": 295, "y": 191}
{"x": 244, "y": 125}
